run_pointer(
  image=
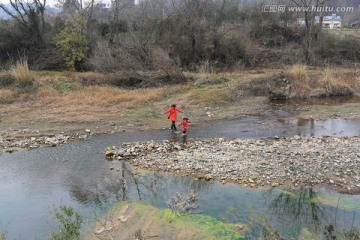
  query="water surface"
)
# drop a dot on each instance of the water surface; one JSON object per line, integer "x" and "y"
{"x": 34, "y": 183}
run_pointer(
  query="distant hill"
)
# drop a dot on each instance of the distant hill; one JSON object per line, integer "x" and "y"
{"x": 49, "y": 10}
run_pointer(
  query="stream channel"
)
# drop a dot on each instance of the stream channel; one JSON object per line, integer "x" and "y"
{"x": 33, "y": 184}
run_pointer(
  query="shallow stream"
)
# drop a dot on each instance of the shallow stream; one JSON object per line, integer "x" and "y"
{"x": 35, "y": 183}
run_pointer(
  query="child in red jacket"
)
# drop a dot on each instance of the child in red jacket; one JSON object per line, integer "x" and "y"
{"x": 185, "y": 125}
{"x": 173, "y": 116}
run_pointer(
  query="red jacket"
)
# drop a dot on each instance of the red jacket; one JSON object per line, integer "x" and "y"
{"x": 173, "y": 114}
{"x": 184, "y": 124}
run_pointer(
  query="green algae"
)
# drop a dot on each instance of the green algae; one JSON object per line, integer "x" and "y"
{"x": 149, "y": 221}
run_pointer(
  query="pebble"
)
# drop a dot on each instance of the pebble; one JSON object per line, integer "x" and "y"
{"x": 302, "y": 161}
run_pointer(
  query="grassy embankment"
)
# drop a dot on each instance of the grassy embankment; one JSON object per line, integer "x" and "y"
{"x": 69, "y": 101}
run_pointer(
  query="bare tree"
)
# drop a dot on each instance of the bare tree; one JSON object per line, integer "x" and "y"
{"x": 312, "y": 30}
{"x": 29, "y": 14}
{"x": 79, "y": 9}
{"x": 119, "y": 6}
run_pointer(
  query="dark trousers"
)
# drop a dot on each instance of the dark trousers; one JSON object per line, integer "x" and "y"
{"x": 173, "y": 126}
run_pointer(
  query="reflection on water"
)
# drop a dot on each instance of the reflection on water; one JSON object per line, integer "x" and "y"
{"x": 286, "y": 210}
{"x": 329, "y": 127}
{"x": 257, "y": 127}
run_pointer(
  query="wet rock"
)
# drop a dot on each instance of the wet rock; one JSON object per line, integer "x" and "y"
{"x": 208, "y": 177}
{"x": 10, "y": 150}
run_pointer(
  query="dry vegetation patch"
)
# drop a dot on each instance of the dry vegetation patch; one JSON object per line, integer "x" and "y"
{"x": 6, "y": 96}
{"x": 212, "y": 97}
{"x": 65, "y": 98}
{"x": 299, "y": 78}
{"x": 86, "y": 104}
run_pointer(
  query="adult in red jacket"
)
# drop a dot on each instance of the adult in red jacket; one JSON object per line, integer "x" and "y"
{"x": 173, "y": 115}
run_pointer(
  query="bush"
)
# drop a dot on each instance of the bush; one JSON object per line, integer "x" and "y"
{"x": 71, "y": 223}
{"x": 335, "y": 50}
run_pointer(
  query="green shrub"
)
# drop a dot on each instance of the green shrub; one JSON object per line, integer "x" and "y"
{"x": 70, "y": 224}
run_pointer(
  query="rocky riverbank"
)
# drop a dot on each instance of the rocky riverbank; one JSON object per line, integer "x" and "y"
{"x": 332, "y": 162}
{"x": 11, "y": 141}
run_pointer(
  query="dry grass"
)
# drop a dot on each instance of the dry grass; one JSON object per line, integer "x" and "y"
{"x": 47, "y": 95}
{"x": 82, "y": 104}
{"x": 205, "y": 68}
{"x": 22, "y": 74}
{"x": 89, "y": 104}
{"x": 211, "y": 97}
{"x": 107, "y": 96}
{"x": 332, "y": 79}
{"x": 299, "y": 72}
{"x": 328, "y": 79}
{"x": 299, "y": 78}
{"x": 6, "y": 96}
{"x": 58, "y": 101}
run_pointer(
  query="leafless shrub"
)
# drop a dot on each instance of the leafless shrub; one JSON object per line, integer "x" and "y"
{"x": 48, "y": 58}
{"x": 140, "y": 65}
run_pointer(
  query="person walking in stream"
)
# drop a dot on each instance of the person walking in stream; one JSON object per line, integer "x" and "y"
{"x": 185, "y": 125}
{"x": 173, "y": 116}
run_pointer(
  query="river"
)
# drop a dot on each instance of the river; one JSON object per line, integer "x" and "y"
{"x": 33, "y": 184}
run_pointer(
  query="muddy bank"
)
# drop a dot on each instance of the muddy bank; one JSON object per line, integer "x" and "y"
{"x": 331, "y": 162}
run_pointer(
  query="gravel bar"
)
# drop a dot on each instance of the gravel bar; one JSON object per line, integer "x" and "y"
{"x": 331, "y": 162}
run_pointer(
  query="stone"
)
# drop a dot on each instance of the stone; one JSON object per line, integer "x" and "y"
{"x": 208, "y": 177}
{"x": 123, "y": 219}
{"x": 239, "y": 227}
{"x": 307, "y": 161}
{"x": 297, "y": 137}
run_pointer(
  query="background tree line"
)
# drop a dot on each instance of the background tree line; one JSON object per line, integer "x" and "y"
{"x": 169, "y": 34}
